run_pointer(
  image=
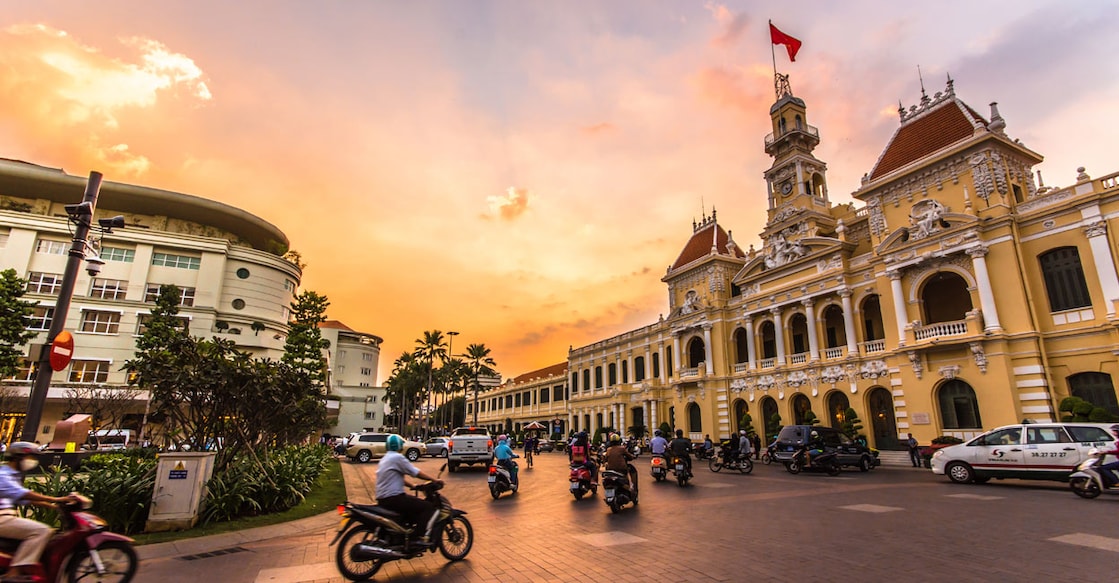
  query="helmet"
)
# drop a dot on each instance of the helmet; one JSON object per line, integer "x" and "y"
{"x": 394, "y": 443}
{"x": 22, "y": 448}
{"x": 615, "y": 439}
{"x": 501, "y": 438}
{"x": 815, "y": 434}
{"x": 742, "y": 432}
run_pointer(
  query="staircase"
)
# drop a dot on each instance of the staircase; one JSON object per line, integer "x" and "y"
{"x": 895, "y": 459}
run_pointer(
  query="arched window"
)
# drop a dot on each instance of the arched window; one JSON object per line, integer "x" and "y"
{"x": 741, "y": 346}
{"x": 772, "y": 420}
{"x": 945, "y": 298}
{"x": 575, "y": 381}
{"x": 872, "y": 318}
{"x": 1096, "y": 388}
{"x": 696, "y": 352}
{"x": 656, "y": 365}
{"x": 695, "y": 419}
{"x": 781, "y": 126}
{"x": 959, "y": 409}
{"x": 638, "y": 369}
{"x": 834, "y": 328}
{"x": 837, "y": 408}
{"x": 668, "y": 363}
{"x": 798, "y": 330}
{"x": 801, "y": 406}
{"x": 740, "y": 411}
{"x": 612, "y": 374}
{"x": 1064, "y": 279}
{"x": 799, "y": 122}
{"x": 769, "y": 340}
{"x": 625, "y": 371}
{"x": 598, "y": 377}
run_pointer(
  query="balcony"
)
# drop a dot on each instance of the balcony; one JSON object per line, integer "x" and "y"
{"x": 807, "y": 129}
{"x": 834, "y": 353}
{"x": 689, "y": 372}
{"x": 798, "y": 358}
{"x": 767, "y": 363}
{"x": 741, "y": 367}
{"x": 969, "y": 327}
{"x": 872, "y": 346}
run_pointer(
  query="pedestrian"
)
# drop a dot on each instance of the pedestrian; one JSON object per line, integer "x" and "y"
{"x": 757, "y": 445}
{"x": 914, "y": 450}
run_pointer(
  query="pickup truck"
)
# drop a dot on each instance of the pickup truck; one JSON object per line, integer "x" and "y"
{"x": 469, "y": 445}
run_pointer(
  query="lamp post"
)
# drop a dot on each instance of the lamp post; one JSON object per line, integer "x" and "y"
{"x": 82, "y": 216}
{"x": 451, "y": 354}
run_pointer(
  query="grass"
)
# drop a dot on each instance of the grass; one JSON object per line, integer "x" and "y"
{"x": 328, "y": 492}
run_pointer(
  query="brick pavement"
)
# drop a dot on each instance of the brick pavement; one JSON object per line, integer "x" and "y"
{"x": 889, "y": 524}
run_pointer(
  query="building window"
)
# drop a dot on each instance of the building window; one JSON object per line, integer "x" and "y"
{"x": 108, "y": 289}
{"x": 1096, "y": 388}
{"x": 575, "y": 381}
{"x": 370, "y": 415}
{"x": 612, "y": 374}
{"x": 89, "y": 371}
{"x": 598, "y": 377}
{"x": 959, "y": 409}
{"x": 544, "y": 394}
{"x": 44, "y": 283}
{"x": 508, "y": 401}
{"x": 40, "y": 318}
{"x": 186, "y": 294}
{"x": 366, "y": 371}
{"x": 586, "y": 379}
{"x": 695, "y": 419}
{"x": 118, "y": 254}
{"x": 238, "y": 304}
{"x": 1064, "y": 279}
{"x": 51, "y": 247}
{"x": 557, "y": 393}
{"x": 243, "y": 273}
{"x": 639, "y": 369}
{"x": 176, "y": 261}
{"x": 656, "y": 365}
{"x": 142, "y": 321}
{"x": 26, "y": 370}
{"x": 100, "y": 322}
{"x": 289, "y": 285}
{"x": 517, "y": 400}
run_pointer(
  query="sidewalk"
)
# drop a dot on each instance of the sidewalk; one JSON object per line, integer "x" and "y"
{"x": 356, "y": 489}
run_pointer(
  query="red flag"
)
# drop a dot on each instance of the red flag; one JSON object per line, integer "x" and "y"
{"x": 779, "y": 38}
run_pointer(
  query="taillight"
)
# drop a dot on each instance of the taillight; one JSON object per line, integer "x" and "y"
{"x": 341, "y": 509}
{"x": 489, "y": 444}
{"x": 450, "y": 445}
{"x": 493, "y": 470}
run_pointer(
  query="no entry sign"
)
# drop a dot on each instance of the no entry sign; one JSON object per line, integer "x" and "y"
{"x": 62, "y": 350}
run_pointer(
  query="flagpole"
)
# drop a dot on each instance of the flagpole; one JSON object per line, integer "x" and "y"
{"x": 773, "y": 55}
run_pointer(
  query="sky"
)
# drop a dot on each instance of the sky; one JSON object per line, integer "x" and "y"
{"x": 522, "y": 173}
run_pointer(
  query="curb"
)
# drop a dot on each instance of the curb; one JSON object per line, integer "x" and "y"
{"x": 215, "y": 542}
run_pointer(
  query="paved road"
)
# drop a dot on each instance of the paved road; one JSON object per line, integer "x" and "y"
{"x": 886, "y": 525}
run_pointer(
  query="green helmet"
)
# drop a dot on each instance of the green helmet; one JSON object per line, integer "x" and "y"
{"x": 394, "y": 443}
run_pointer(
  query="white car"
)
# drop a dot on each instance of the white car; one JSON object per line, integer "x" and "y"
{"x": 1031, "y": 451}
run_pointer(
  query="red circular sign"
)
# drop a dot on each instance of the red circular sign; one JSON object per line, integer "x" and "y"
{"x": 62, "y": 350}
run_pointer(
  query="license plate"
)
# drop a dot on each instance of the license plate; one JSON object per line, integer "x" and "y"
{"x": 679, "y": 467}
{"x": 574, "y": 486}
{"x": 609, "y": 492}
{"x": 493, "y": 479}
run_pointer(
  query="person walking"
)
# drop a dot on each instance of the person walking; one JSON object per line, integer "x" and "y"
{"x": 757, "y": 446}
{"x": 914, "y": 450}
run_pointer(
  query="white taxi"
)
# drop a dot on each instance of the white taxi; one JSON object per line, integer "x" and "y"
{"x": 1030, "y": 451}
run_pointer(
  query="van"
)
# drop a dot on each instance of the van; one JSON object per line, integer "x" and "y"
{"x": 109, "y": 439}
{"x": 849, "y": 453}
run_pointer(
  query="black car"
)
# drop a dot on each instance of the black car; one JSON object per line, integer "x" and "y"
{"x": 850, "y": 453}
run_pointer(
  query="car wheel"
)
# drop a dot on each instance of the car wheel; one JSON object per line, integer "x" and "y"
{"x": 443, "y": 454}
{"x": 864, "y": 464}
{"x": 452, "y": 467}
{"x": 412, "y": 454}
{"x": 960, "y": 473}
{"x": 364, "y": 456}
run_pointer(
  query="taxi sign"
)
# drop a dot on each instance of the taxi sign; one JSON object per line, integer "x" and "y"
{"x": 62, "y": 350}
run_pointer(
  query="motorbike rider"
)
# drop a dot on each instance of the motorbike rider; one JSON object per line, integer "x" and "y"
{"x": 580, "y": 454}
{"x": 680, "y": 448}
{"x": 658, "y": 445}
{"x": 390, "y": 487}
{"x": 814, "y": 447}
{"x": 744, "y": 447}
{"x": 1107, "y": 471}
{"x": 504, "y": 454}
{"x": 22, "y": 458}
{"x": 618, "y": 458}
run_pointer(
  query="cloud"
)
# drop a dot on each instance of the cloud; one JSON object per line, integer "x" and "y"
{"x": 598, "y": 128}
{"x": 732, "y": 31}
{"x": 512, "y": 205}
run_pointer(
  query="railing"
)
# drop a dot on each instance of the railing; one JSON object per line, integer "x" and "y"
{"x": 689, "y": 372}
{"x": 832, "y": 353}
{"x": 741, "y": 367}
{"x": 941, "y": 330}
{"x": 862, "y": 212}
{"x": 799, "y": 358}
{"x": 810, "y": 130}
{"x": 767, "y": 363}
{"x": 872, "y": 346}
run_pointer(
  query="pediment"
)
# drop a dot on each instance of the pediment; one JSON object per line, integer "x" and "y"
{"x": 814, "y": 248}
{"x": 916, "y": 234}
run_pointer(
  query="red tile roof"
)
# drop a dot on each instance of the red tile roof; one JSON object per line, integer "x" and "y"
{"x": 559, "y": 369}
{"x": 947, "y": 124}
{"x": 335, "y": 324}
{"x": 700, "y": 244}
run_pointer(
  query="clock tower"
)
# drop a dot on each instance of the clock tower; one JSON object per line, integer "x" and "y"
{"x": 796, "y": 180}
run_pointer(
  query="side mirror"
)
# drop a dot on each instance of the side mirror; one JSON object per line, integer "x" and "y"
{"x": 441, "y": 470}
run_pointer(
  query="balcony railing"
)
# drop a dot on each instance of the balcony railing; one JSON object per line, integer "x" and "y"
{"x": 872, "y": 346}
{"x": 798, "y": 358}
{"x": 941, "y": 330}
{"x": 741, "y": 367}
{"x": 810, "y": 130}
{"x": 767, "y": 363}
{"x": 833, "y": 353}
{"x": 689, "y": 372}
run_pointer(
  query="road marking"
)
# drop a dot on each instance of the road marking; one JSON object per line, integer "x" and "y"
{"x": 973, "y": 496}
{"x": 297, "y": 573}
{"x": 870, "y": 508}
{"x": 610, "y": 538}
{"x": 1089, "y": 540}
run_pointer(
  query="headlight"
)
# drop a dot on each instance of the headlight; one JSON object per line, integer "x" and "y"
{"x": 938, "y": 453}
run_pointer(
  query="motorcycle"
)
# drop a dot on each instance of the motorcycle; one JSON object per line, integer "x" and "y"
{"x": 621, "y": 489}
{"x": 824, "y": 462}
{"x": 501, "y": 480}
{"x": 1087, "y": 480}
{"x": 769, "y": 454}
{"x": 581, "y": 482}
{"x": 658, "y": 467}
{"x": 680, "y": 470}
{"x": 732, "y": 461}
{"x": 634, "y": 447}
{"x": 82, "y": 546}
{"x": 370, "y": 536}
{"x": 702, "y": 453}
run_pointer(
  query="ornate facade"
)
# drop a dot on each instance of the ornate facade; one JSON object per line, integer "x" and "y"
{"x": 960, "y": 296}
{"x": 540, "y": 396}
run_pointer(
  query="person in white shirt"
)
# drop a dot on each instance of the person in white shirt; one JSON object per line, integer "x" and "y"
{"x": 391, "y": 483}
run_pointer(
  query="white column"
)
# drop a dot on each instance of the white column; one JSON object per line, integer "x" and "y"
{"x": 676, "y": 355}
{"x": 647, "y": 364}
{"x": 899, "y": 304}
{"x": 752, "y": 353}
{"x": 664, "y": 365}
{"x": 570, "y": 423}
{"x": 653, "y": 415}
{"x": 710, "y": 356}
{"x": 1105, "y": 263}
{"x": 779, "y": 335}
{"x": 813, "y": 343}
{"x": 849, "y": 321}
{"x": 647, "y": 420}
{"x": 986, "y": 293}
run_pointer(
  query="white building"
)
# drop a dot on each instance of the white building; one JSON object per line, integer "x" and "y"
{"x": 236, "y": 283}
{"x": 352, "y": 358}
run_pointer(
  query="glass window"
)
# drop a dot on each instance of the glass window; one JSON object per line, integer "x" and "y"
{"x": 557, "y": 393}
{"x": 1088, "y": 434}
{"x": 1008, "y": 436}
{"x": 40, "y": 318}
{"x": 118, "y": 254}
{"x": 544, "y": 395}
{"x": 695, "y": 418}
{"x": 1064, "y": 279}
{"x": 143, "y": 319}
{"x": 186, "y": 294}
{"x": 25, "y": 370}
{"x": 1040, "y": 435}
{"x": 108, "y": 289}
{"x": 243, "y": 273}
{"x": 1096, "y": 388}
{"x": 959, "y": 409}
{"x": 638, "y": 369}
{"x": 89, "y": 371}
{"x": 176, "y": 261}
{"x": 238, "y": 304}
{"x": 44, "y": 283}
{"x": 100, "y": 322}
{"x": 52, "y": 247}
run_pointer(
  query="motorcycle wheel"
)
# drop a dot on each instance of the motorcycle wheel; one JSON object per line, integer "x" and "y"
{"x": 745, "y": 466}
{"x": 767, "y": 459}
{"x": 793, "y": 467}
{"x": 615, "y": 507}
{"x": 715, "y": 465}
{"x": 352, "y": 569}
{"x": 578, "y": 494}
{"x": 833, "y": 470}
{"x": 659, "y": 477}
{"x": 118, "y": 558}
{"x": 494, "y": 491}
{"x": 456, "y": 538}
{"x": 1084, "y": 487}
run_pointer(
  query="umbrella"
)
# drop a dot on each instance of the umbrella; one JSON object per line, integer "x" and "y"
{"x": 535, "y": 425}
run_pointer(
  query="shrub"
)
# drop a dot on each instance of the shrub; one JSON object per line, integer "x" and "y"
{"x": 120, "y": 486}
{"x": 946, "y": 440}
{"x": 273, "y": 482}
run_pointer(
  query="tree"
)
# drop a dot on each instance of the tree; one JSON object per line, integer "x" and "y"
{"x": 404, "y": 387}
{"x": 747, "y": 423}
{"x": 772, "y": 427}
{"x": 637, "y": 431}
{"x": 428, "y": 349}
{"x": 852, "y": 425}
{"x": 448, "y": 378}
{"x": 479, "y": 363}
{"x": 304, "y": 347}
{"x": 14, "y": 314}
{"x": 106, "y": 405}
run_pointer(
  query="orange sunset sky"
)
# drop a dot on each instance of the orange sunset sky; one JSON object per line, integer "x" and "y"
{"x": 520, "y": 172}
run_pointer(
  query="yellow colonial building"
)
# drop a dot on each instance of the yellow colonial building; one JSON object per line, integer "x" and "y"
{"x": 961, "y": 295}
{"x": 539, "y": 396}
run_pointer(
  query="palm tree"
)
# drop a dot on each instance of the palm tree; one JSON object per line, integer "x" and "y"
{"x": 448, "y": 378}
{"x": 478, "y": 362}
{"x": 403, "y": 385}
{"x": 428, "y": 349}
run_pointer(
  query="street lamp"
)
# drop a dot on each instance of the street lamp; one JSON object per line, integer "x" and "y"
{"x": 451, "y": 354}
{"x": 81, "y": 215}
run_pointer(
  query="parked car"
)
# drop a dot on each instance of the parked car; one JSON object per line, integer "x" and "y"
{"x": 1032, "y": 451}
{"x": 437, "y": 446}
{"x": 545, "y": 445}
{"x": 365, "y": 447}
{"x": 849, "y": 453}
